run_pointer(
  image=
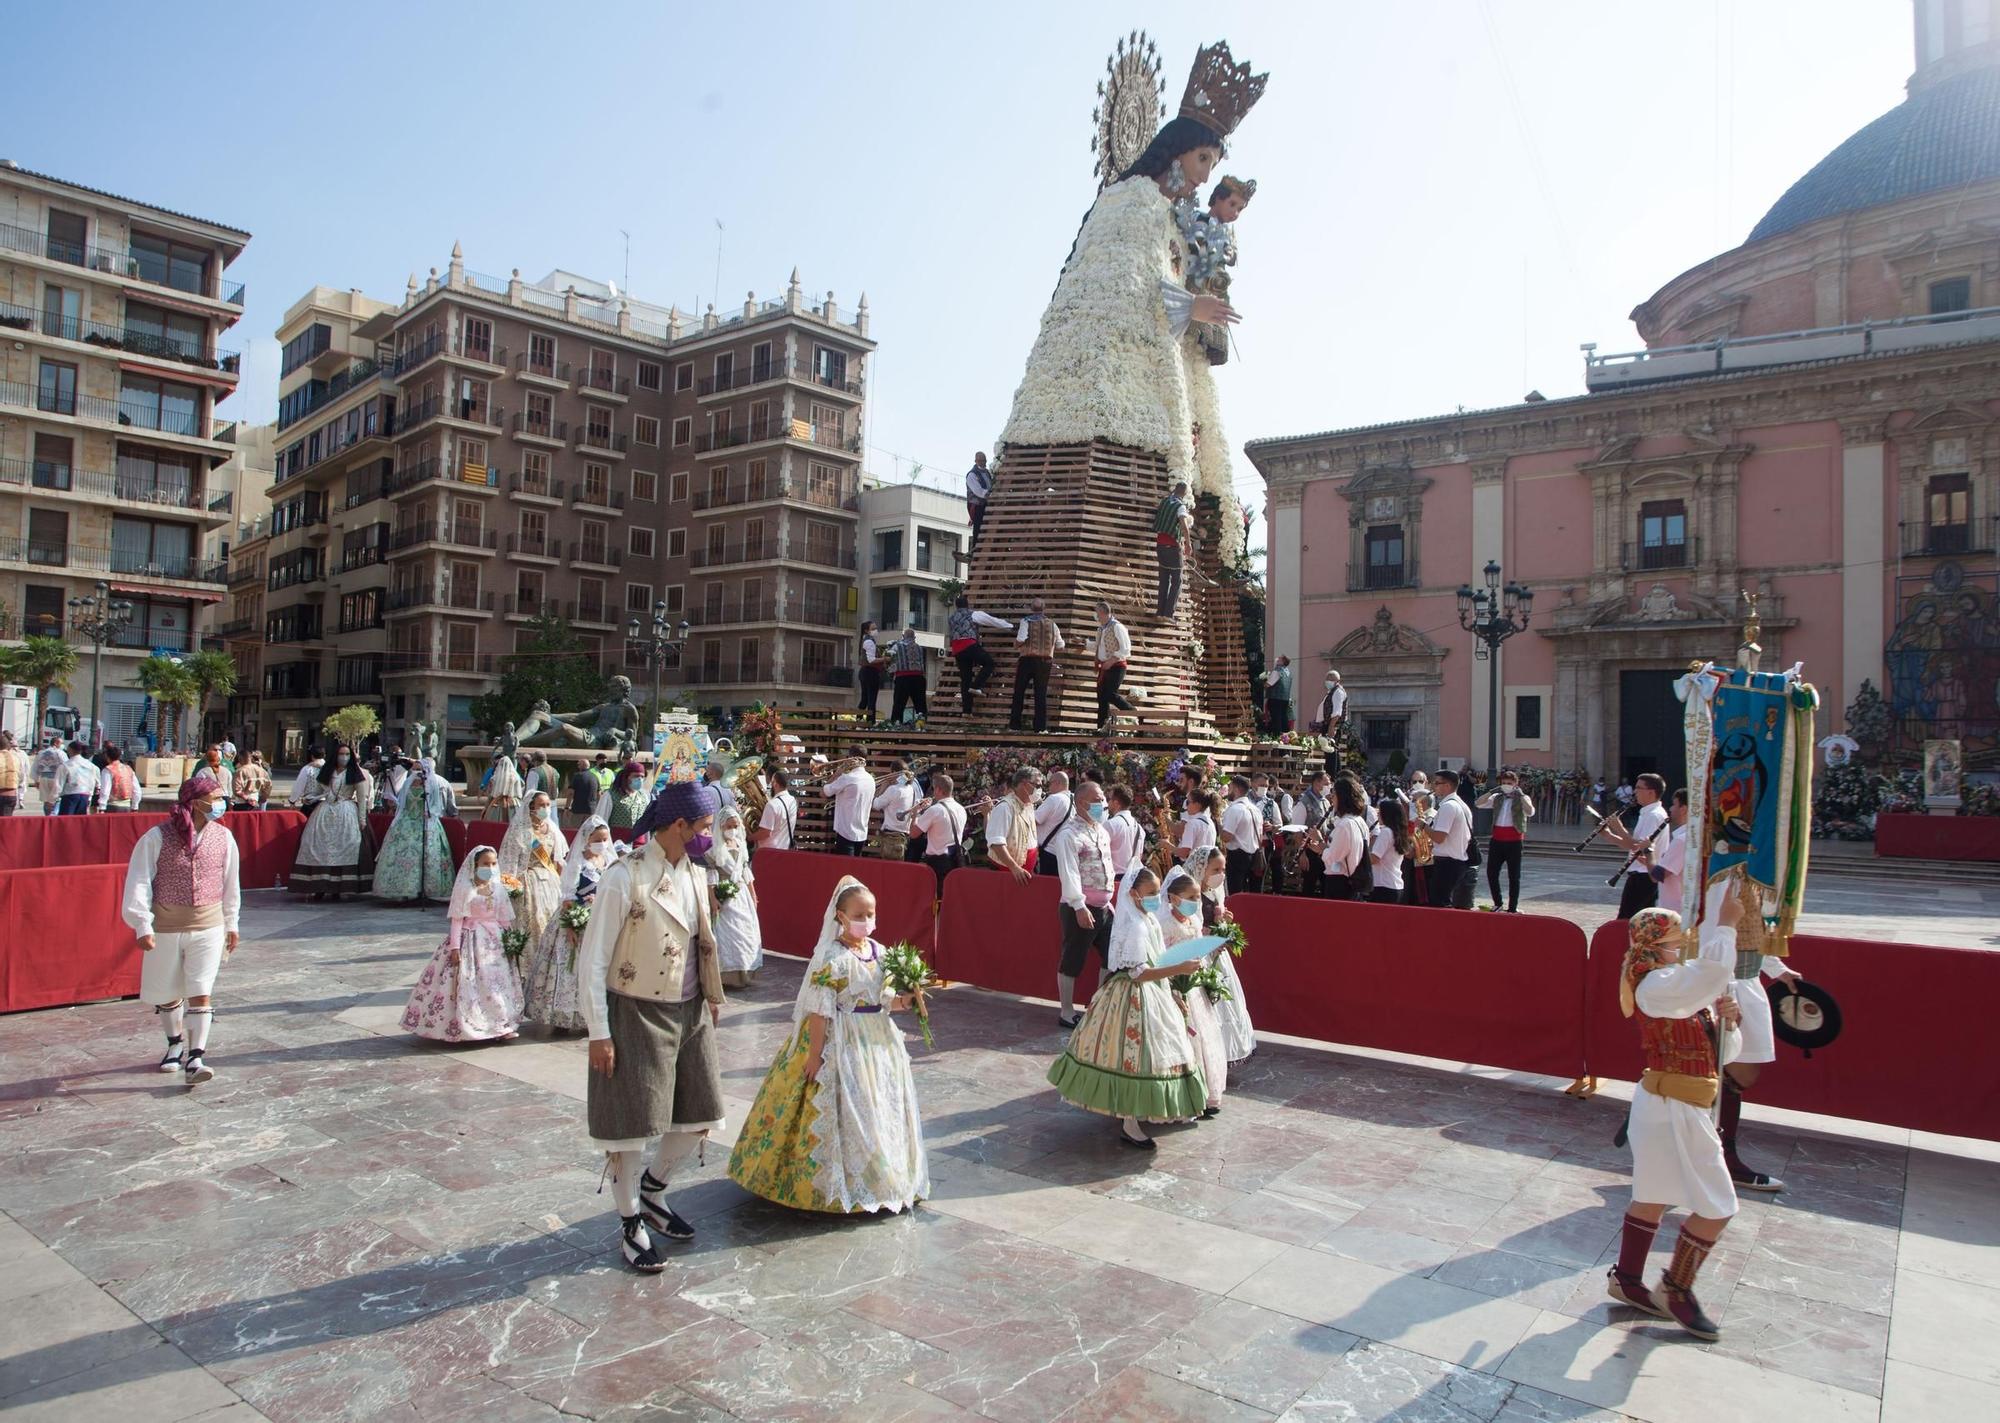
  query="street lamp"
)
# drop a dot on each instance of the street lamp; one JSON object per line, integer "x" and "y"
{"x": 1493, "y": 614}
{"x": 656, "y": 635}
{"x": 98, "y": 617}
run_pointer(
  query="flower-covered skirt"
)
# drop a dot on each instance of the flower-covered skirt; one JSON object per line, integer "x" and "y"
{"x": 468, "y": 992}
{"x": 1132, "y": 1056}
{"x": 548, "y": 978}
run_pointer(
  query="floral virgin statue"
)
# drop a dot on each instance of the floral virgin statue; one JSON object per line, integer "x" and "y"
{"x": 1115, "y": 359}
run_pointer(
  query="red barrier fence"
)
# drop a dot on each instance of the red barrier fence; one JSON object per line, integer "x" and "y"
{"x": 1938, "y": 837}
{"x": 1004, "y": 935}
{"x": 267, "y": 841}
{"x": 1899, "y": 1059}
{"x": 61, "y": 938}
{"x": 1503, "y": 990}
{"x": 793, "y": 887}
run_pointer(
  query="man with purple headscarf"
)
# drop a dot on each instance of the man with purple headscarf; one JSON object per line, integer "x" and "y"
{"x": 183, "y": 893}
{"x": 651, "y": 984}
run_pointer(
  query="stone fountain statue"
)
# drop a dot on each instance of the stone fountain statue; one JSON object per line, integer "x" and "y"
{"x": 611, "y": 725}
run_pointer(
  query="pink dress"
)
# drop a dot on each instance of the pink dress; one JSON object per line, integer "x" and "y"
{"x": 468, "y": 992}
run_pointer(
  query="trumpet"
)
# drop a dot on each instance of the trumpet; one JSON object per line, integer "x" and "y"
{"x": 1616, "y": 821}
{"x": 835, "y": 768}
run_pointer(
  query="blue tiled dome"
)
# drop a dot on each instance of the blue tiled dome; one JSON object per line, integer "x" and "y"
{"x": 1943, "y": 136}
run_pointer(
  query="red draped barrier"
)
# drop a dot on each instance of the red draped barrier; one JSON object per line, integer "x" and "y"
{"x": 1899, "y": 1060}
{"x": 79, "y": 839}
{"x": 1502, "y": 990}
{"x": 793, "y": 887}
{"x": 267, "y": 841}
{"x": 61, "y": 938}
{"x": 998, "y": 933}
{"x": 1938, "y": 837}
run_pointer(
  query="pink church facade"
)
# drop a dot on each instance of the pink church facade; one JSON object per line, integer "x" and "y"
{"x": 1815, "y": 419}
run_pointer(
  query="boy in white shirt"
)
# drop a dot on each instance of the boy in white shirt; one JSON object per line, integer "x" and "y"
{"x": 1451, "y": 840}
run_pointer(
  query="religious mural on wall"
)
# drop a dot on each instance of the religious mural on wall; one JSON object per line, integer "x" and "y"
{"x": 1943, "y": 660}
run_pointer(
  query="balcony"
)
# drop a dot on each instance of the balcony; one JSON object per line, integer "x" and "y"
{"x": 421, "y": 354}
{"x": 551, "y": 373}
{"x": 535, "y": 430}
{"x": 374, "y": 624}
{"x": 583, "y": 554}
{"x": 603, "y": 384}
{"x": 292, "y": 575}
{"x": 1659, "y": 558}
{"x": 357, "y": 681}
{"x": 818, "y": 615}
{"x": 246, "y": 571}
{"x": 367, "y": 556}
{"x": 367, "y": 495}
{"x": 534, "y": 546}
{"x": 414, "y": 417}
{"x": 450, "y": 533}
{"x": 819, "y": 494}
{"x": 533, "y": 488}
{"x": 87, "y": 558}
{"x": 592, "y": 614}
{"x": 1920, "y": 540}
{"x": 585, "y": 496}
{"x": 447, "y": 599}
{"x": 236, "y": 628}
{"x": 721, "y": 614}
{"x": 486, "y": 354}
{"x": 461, "y": 479}
{"x": 285, "y": 631}
{"x": 360, "y": 373}
{"x": 940, "y": 561}
{"x": 130, "y": 412}
{"x": 597, "y": 440}
{"x": 1377, "y": 576}
{"x": 775, "y": 428}
{"x": 121, "y": 262}
{"x": 61, "y": 479}
{"x": 402, "y": 663}
{"x": 129, "y": 340}
{"x": 292, "y": 682}
{"x": 757, "y": 373}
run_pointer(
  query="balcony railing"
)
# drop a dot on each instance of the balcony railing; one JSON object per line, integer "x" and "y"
{"x": 923, "y": 560}
{"x": 534, "y": 427}
{"x": 295, "y": 681}
{"x": 486, "y": 353}
{"x": 532, "y": 546}
{"x": 536, "y": 488}
{"x": 368, "y": 624}
{"x": 749, "y": 610}
{"x": 601, "y": 613}
{"x": 463, "y": 599}
{"x": 840, "y": 495}
{"x": 129, "y": 339}
{"x": 1920, "y": 540}
{"x": 247, "y": 570}
{"x": 423, "y": 471}
{"x": 596, "y": 498}
{"x": 365, "y": 682}
{"x": 367, "y": 556}
{"x": 759, "y": 372}
{"x": 479, "y": 664}
{"x": 47, "y": 474}
{"x": 597, "y": 555}
{"x": 236, "y": 627}
{"x": 91, "y": 559}
{"x": 526, "y": 365}
{"x": 588, "y": 380}
{"x": 360, "y": 373}
{"x": 419, "y": 413}
{"x": 458, "y": 535}
{"x": 128, "y": 411}
{"x": 588, "y": 437}
{"x": 1362, "y": 578}
{"x": 1658, "y": 558}
{"x": 280, "y": 629}
{"x": 291, "y": 575}
{"x": 777, "y": 429}
{"x": 367, "y": 495}
{"x": 120, "y": 262}
{"x": 424, "y": 350}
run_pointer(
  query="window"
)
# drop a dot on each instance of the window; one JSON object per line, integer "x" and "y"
{"x": 683, "y": 428}
{"x": 677, "y": 487}
{"x": 822, "y": 483}
{"x": 888, "y": 608}
{"x": 56, "y": 391}
{"x": 310, "y": 342}
{"x": 476, "y": 338}
{"x": 1663, "y": 534}
{"x": 461, "y": 645}
{"x": 1385, "y": 556}
{"x": 823, "y": 544}
{"x": 540, "y": 415}
{"x": 53, "y": 467}
{"x": 920, "y": 607}
{"x": 1951, "y": 294}
{"x": 829, "y": 424}
{"x": 156, "y": 478}
{"x": 597, "y": 485}
{"x": 830, "y": 367}
{"x": 718, "y": 542}
{"x": 677, "y": 543}
{"x": 590, "y": 604}
{"x": 534, "y": 533}
{"x": 718, "y": 484}
{"x": 816, "y": 657}
{"x": 166, "y": 550}
{"x": 591, "y": 546}
{"x": 42, "y": 611}
{"x": 725, "y": 370}
{"x": 170, "y": 264}
{"x": 888, "y": 550}
{"x": 535, "y": 471}
{"x": 639, "y": 541}
{"x": 66, "y": 232}
{"x": 603, "y": 368}
{"x": 472, "y": 466}
{"x": 528, "y": 591}
{"x": 645, "y": 430}
{"x": 684, "y": 376}
{"x": 746, "y": 659}
{"x": 761, "y": 423}
{"x": 48, "y": 537}
{"x": 760, "y": 361}
{"x": 62, "y": 312}
{"x": 155, "y": 331}
{"x": 472, "y": 400}
{"x": 754, "y": 484}
{"x": 1528, "y": 718}
{"x": 1387, "y": 733}
{"x": 361, "y": 610}
{"x": 753, "y": 539}
{"x": 1948, "y": 514}
{"x": 646, "y": 486}
{"x": 821, "y": 603}
{"x": 638, "y": 597}
{"x": 541, "y": 354}
{"x": 160, "y": 405}
{"x": 649, "y": 375}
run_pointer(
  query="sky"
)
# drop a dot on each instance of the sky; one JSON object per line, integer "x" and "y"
{"x": 1452, "y": 195}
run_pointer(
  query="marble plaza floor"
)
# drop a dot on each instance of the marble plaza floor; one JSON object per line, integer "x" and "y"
{"x": 348, "y": 1224}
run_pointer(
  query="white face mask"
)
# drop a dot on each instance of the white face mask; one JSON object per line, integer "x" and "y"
{"x": 599, "y": 849}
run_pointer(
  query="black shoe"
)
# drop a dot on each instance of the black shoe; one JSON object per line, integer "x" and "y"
{"x": 194, "y": 1069}
{"x": 1210, "y": 1113}
{"x": 172, "y": 1061}
{"x": 659, "y": 1215}
{"x": 1748, "y": 1180}
{"x": 1142, "y": 1144}
{"x": 640, "y": 1252}
{"x": 1068, "y": 1025}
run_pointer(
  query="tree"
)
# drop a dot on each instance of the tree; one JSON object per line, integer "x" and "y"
{"x": 1868, "y": 720}
{"x": 171, "y": 685}
{"x": 556, "y": 666}
{"x": 351, "y": 724}
{"x": 43, "y": 663}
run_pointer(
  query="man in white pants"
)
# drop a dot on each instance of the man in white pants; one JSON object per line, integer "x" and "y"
{"x": 183, "y": 895}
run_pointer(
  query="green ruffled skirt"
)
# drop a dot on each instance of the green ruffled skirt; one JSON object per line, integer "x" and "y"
{"x": 1132, "y": 1056}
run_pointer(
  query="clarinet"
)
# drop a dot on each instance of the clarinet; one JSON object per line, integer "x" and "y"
{"x": 1633, "y": 858}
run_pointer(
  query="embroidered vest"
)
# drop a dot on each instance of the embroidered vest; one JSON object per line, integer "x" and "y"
{"x": 649, "y": 959}
{"x": 1093, "y": 857}
{"x": 962, "y": 626}
{"x": 187, "y": 885}
{"x": 1020, "y": 829}
{"x": 909, "y": 658}
{"x": 1041, "y": 639}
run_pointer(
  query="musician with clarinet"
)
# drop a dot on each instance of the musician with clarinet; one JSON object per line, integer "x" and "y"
{"x": 1641, "y": 891}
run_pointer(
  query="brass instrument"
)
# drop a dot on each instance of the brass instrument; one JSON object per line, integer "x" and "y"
{"x": 1420, "y": 830}
{"x": 1161, "y": 858}
{"x": 832, "y": 769}
{"x": 748, "y": 789}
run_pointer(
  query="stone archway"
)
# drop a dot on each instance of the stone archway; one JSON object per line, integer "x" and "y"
{"x": 1393, "y": 672}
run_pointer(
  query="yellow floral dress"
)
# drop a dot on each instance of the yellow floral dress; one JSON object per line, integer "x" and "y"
{"x": 852, "y": 1139}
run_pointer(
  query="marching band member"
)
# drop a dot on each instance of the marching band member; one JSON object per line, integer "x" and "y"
{"x": 851, "y": 792}
{"x": 896, "y": 801}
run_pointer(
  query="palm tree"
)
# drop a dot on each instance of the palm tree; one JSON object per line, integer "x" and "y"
{"x": 43, "y": 663}
{"x": 172, "y": 687}
{"x": 214, "y": 674}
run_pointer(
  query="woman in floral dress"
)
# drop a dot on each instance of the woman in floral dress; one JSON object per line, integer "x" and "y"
{"x": 336, "y": 854}
{"x": 835, "y": 1126}
{"x": 415, "y": 861}
{"x": 532, "y": 853}
{"x": 1180, "y": 920}
{"x": 1232, "y": 1014}
{"x": 550, "y": 980}
{"x": 468, "y": 992}
{"x": 738, "y": 940}
{"x": 1132, "y": 1056}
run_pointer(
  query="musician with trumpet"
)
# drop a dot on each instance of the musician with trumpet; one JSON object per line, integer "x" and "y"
{"x": 897, "y": 800}
{"x": 1640, "y": 891}
{"x": 778, "y": 824}
{"x": 852, "y": 791}
{"x": 939, "y": 827}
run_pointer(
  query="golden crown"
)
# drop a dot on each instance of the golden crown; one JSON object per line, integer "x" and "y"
{"x": 1220, "y": 91}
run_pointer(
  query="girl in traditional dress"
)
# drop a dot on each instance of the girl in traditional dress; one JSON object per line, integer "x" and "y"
{"x": 1180, "y": 920}
{"x": 1232, "y": 1014}
{"x": 629, "y": 796}
{"x": 1133, "y": 1055}
{"x": 503, "y": 788}
{"x": 737, "y": 937}
{"x": 835, "y": 1126}
{"x": 468, "y": 992}
{"x": 550, "y": 980}
{"x": 415, "y": 859}
{"x": 336, "y": 853}
{"x": 533, "y": 853}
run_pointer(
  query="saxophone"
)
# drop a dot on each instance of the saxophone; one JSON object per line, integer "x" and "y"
{"x": 1168, "y": 833}
{"x": 1420, "y": 828}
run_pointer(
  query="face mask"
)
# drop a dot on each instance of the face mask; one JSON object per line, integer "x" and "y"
{"x": 599, "y": 849}
{"x": 861, "y": 928}
{"x": 1149, "y": 902}
{"x": 1331, "y": 684}
{"x": 215, "y": 810}
{"x": 340, "y": 760}
{"x": 1098, "y": 810}
{"x": 699, "y": 845}
{"x": 483, "y": 873}
{"x": 540, "y": 812}
{"x": 1185, "y": 908}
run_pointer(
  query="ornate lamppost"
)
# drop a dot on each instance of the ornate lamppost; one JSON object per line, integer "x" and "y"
{"x": 1492, "y": 615}
{"x": 99, "y": 618}
{"x": 657, "y": 636}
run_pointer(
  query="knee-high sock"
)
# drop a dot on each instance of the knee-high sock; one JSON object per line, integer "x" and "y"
{"x": 1727, "y": 1120}
{"x": 198, "y": 1020}
{"x": 1633, "y": 1245}
{"x": 176, "y": 1017}
{"x": 1690, "y": 1250}
{"x": 1066, "y": 992}
{"x": 674, "y": 1148}
{"x": 625, "y": 1170}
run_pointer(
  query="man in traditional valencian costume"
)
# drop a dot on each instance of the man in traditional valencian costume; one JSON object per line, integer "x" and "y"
{"x": 183, "y": 892}
{"x": 652, "y": 994}
{"x": 1081, "y": 848}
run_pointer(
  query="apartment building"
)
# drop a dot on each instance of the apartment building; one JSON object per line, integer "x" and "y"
{"x": 111, "y": 316}
{"x": 490, "y": 449}
{"x": 916, "y": 538}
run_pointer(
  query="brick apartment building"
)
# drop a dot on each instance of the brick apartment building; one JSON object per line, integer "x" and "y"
{"x": 449, "y": 467}
{"x": 111, "y": 311}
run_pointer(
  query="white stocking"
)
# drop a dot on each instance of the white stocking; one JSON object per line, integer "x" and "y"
{"x": 176, "y": 1017}
{"x": 1066, "y": 993}
{"x": 198, "y": 1020}
{"x": 674, "y": 1148}
{"x": 625, "y": 1181}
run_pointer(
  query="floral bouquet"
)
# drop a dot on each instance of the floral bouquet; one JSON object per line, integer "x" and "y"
{"x": 573, "y": 917}
{"x": 515, "y": 889}
{"x": 1235, "y": 940}
{"x": 905, "y": 971}
{"x": 513, "y": 943}
{"x": 726, "y": 890}
{"x": 1208, "y": 978}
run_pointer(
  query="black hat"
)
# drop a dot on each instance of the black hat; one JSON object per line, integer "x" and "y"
{"x": 1804, "y": 1016}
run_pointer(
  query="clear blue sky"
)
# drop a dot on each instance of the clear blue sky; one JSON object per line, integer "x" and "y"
{"x": 1452, "y": 195}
